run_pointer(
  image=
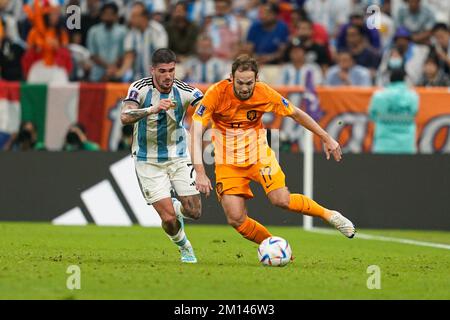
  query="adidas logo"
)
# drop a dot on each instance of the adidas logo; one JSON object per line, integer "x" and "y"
{"x": 104, "y": 205}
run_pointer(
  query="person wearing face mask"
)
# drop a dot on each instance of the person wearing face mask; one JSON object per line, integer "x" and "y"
{"x": 404, "y": 53}
{"x": 105, "y": 42}
{"x": 393, "y": 110}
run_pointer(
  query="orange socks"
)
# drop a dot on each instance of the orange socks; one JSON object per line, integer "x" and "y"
{"x": 253, "y": 231}
{"x": 302, "y": 204}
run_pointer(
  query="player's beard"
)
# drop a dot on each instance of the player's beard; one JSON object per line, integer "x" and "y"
{"x": 243, "y": 97}
{"x": 166, "y": 85}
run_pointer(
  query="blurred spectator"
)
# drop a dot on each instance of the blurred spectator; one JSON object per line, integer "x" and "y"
{"x": 294, "y": 72}
{"x": 204, "y": 67}
{"x": 90, "y": 18}
{"x": 441, "y": 46}
{"x": 127, "y": 138}
{"x": 252, "y": 10}
{"x": 347, "y": 73}
{"x": 224, "y": 30}
{"x": 47, "y": 58}
{"x": 393, "y": 111}
{"x": 362, "y": 54}
{"x": 332, "y": 13}
{"x": 200, "y": 11}
{"x": 10, "y": 51}
{"x": 81, "y": 58}
{"x": 319, "y": 33}
{"x": 433, "y": 76}
{"x": 357, "y": 20}
{"x": 440, "y": 8}
{"x": 25, "y": 139}
{"x": 105, "y": 42}
{"x": 76, "y": 140}
{"x": 157, "y": 8}
{"x": 269, "y": 36}
{"x": 403, "y": 53}
{"x": 315, "y": 52}
{"x": 14, "y": 8}
{"x": 182, "y": 33}
{"x": 418, "y": 19}
{"x": 9, "y": 23}
{"x": 146, "y": 35}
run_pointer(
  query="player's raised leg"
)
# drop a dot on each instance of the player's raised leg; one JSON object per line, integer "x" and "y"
{"x": 237, "y": 217}
{"x": 302, "y": 204}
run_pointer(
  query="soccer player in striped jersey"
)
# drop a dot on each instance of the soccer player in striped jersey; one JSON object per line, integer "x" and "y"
{"x": 156, "y": 106}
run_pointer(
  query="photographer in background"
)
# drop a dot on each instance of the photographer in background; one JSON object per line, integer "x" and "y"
{"x": 25, "y": 139}
{"x": 76, "y": 140}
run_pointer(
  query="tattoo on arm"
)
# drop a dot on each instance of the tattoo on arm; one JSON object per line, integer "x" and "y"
{"x": 131, "y": 114}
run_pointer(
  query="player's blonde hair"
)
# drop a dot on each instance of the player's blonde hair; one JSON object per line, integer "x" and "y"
{"x": 244, "y": 62}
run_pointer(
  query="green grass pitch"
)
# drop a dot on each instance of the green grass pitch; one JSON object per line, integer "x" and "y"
{"x": 141, "y": 263}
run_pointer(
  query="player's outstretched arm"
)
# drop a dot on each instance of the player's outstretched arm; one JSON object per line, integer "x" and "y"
{"x": 330, "y": 145}
{"x": 131, "y": 112}
{"x": 202, "y": 182}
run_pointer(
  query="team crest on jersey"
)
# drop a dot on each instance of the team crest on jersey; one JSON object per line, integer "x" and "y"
{"x": 219, "y": 187}
{"x": 133, "y": 95}
{"x": 285, "y": 102}
{"x": 201, "y": 110}
{"x": 251, "y": 115}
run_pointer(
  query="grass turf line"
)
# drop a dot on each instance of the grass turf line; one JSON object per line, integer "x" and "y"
{"x": 141, "y": 263}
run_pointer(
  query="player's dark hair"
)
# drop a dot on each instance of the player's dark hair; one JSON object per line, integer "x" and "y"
{"x": 244, "y": 63}
{"x": 163, "y": 55}
{"x": 441, "y": 26}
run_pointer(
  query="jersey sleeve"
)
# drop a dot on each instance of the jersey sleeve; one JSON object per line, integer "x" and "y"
{"x": 278, "y": 104}
{"x": 134, "y": 94}
{"x": 206, "y": 106}
{"x": 195, "y": 97}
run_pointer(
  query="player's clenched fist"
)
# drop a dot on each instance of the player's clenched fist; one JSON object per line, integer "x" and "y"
{"x": 203, "y": 184}
{"x": 164, "y": 104}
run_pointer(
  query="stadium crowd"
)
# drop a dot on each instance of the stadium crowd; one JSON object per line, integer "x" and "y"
{"x": 323, "y": 42}
{"x": 336, "y": 41}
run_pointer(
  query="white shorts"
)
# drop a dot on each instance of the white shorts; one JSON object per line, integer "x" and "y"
{"x": 156, "y": 180}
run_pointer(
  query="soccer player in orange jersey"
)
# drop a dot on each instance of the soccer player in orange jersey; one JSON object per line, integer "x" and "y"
{"x": 236, "y": 106}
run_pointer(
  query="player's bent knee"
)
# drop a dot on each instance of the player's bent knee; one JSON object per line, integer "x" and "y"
{"x": 169, "y": 219}
{"x": 235, "y": 222}
{"x": 281, "y": 202}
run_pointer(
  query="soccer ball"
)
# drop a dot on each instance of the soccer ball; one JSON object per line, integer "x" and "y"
{"x": 274, "y": 251}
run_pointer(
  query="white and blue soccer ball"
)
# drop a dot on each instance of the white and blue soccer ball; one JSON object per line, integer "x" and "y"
{"x": 274, "y": 251}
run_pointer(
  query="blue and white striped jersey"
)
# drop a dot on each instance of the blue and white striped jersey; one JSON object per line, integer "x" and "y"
{"x": 161, "y": 137}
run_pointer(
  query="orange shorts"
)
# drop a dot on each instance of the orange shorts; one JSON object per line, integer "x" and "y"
{"x": 232, "y": 179}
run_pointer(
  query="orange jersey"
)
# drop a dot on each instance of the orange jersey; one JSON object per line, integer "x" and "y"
{"x": 238, "y": 132}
